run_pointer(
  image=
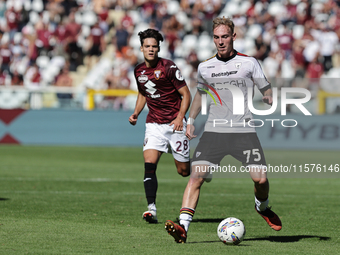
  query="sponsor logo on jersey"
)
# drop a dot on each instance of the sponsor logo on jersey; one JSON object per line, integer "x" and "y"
{"x": 150, "y": 87}
{"x": 198, "y": 153}
{"x": 179, "y": 75}
{"x": 210, "y": 66}
{"x": 142, "y": 78}
{"x": 143, "y": 72}
{"x": 157, "y": 74}
{"x": 223, "y": 74}
{"x": 173, "y": 66}
{"x": 155, "y": 96}
{"x": 238, "y": 65}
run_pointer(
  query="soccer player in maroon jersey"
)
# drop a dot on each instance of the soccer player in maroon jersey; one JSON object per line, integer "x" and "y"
{"x": 162, "y": 87}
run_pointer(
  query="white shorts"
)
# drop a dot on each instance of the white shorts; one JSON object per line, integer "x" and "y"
{"x": 160, "y": 136}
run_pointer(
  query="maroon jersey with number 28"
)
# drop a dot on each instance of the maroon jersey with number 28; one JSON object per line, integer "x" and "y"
{"x": 160, "y": 87}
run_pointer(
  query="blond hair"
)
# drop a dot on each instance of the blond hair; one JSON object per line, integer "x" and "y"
{"x": 223, "y": 21}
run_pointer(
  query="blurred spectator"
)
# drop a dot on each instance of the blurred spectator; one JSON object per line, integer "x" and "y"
{"x": 44, "y": 35}
{"x": 60, "y": 36}
{"x": 64, "y": 80}
{"x": 55, "y": 11}
{"x": 70, "y": 6}
{"x": 209, "y": 9}
{"x": 129, "y": 57}
{"x": 127, "y": 22}
{"x": 171, "y": 36}
{"x": 97, "y": 43}
{"x": 13, "y": 20}
{"x": 2, "y": 78}
{"x": 147, "y": 8}
{"x": 5, "y": 55}
{"x": 197, "y": 26}
{"x": 291, "y": 13}
{"x": 328, "y": 42}
{"x": 117, "y": 79}
{"x": 121, "y": 39}
{"x": 262, "y": 49}
{"x": 193, "y": 61}
{"x": 304, "y": 12}
{"x": 32, "y": 77}
{"x": 123, "y": 4}
{"x": 172, "y": 24}
{"x": 111, "y": 81}
{"x": 2, "y": 8}
{"x": 298, "y": 63}
{"x": 271, "y": 66}
{"x": 17, "y": 79}
{"x": 187, "y": 6}
{"x": 313, "y": 73}
{"x": 285, "y": 41}
{"x": 161, "y": 15}
{"x": 73, "y": 30}
{"x": 123, "y": 82}
{"x": 17, "y": 52}
{"x": 103, "y": 18}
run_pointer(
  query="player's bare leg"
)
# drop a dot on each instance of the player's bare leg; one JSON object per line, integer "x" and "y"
{"x": 189, "y": 203}
{"x": 261, "y": 191}
{"x": 151, "y": 158}
{"x": 183, "y": 168}
{"x": 261, "y": 184}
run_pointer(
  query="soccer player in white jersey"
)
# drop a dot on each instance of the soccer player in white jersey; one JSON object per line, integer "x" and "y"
{"x": 162, "y": 87}
{"x": 223, "y": 72}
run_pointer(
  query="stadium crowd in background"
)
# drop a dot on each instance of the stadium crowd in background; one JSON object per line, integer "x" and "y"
{"x": 291, "y": 39}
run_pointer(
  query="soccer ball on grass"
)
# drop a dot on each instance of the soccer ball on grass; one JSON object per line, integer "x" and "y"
{"x": 231, "y": 231}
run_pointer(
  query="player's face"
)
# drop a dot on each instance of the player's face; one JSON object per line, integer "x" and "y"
{"x": 150, "y": 49}
{"x": 224, "y": 40}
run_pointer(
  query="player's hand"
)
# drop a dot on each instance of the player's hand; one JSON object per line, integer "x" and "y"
{"x": 133, "y": 119}
{"x": 178, "y": 124}
{"x": 190, "y": 132}
{"x": 268, "y": 100}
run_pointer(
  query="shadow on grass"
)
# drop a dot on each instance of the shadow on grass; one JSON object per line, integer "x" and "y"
{"x": 278, "y": 239}
{"x": 286, "y": 239}
{"x": 218, "y": 241}
{"x": 3, "y": 199}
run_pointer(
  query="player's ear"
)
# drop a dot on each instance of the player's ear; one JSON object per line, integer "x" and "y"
{"x": 234, "y": 36}
{"x": 141, "y": 48}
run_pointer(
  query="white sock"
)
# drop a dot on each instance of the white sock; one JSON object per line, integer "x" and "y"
{"x": 185, "y": 220}
{"x": 152, "y": 207}
{"x": 261, "y": 206}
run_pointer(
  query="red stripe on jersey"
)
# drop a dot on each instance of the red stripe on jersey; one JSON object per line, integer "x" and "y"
{"x": 241, "y": 54}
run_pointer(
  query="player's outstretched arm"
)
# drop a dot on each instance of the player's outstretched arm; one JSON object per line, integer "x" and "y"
{"x": 186, "y": 98}
{"x": 140, "y": 103}
{"x": 194, "y": 110}
{"x": 268, "y": 96}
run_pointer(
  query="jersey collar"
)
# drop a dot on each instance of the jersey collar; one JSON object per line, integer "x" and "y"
{"x": 228, "y": 58}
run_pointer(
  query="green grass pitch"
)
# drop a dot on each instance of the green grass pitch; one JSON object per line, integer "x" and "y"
{"x": 89, "y": 200}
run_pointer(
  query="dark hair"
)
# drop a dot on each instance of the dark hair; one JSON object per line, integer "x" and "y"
{"x": 150, "y": 33}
